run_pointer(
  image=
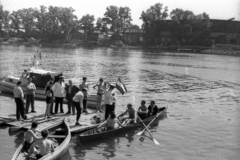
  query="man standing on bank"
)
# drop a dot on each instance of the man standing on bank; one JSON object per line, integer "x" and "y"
{"x": 30, "y": 95}
{"x": 71, "y": 90}
{"x": 110, "y": 100}
{"x": 78, "y": 103}
{"x": 84, "y": 86}
{"x": 18, "y": 95}
{"x": 59, "y": 93}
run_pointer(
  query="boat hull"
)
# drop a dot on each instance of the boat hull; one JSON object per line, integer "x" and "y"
{"x": 60, "y": 151}
{"x": 97, "y": 134}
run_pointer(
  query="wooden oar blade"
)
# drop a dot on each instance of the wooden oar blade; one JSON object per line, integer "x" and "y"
{"x": 14, "y": 129}
{"x": 155, "y": 141}
{"x": 140, "y": 133}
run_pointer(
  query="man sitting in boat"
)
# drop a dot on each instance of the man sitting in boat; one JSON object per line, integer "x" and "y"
{"x": 44, "y": 144}
{"x": 152, "y": 109}
{"x": 142, "y": 110}
{"x": 131, "y": 113}
{"x": 112, "y": 122}
{"x": 30, "y": 135}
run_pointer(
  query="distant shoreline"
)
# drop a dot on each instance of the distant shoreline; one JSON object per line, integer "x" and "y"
{"x": 219, "y": 49}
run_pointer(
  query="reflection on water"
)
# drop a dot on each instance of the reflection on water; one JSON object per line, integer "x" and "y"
{"x": 201, "y": 91}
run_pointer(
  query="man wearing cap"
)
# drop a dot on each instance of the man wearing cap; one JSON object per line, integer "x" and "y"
{"x": 30, "y": 95}
{"x": 59, "y": 93}
{"x": 110, "y": 99}
{"x": 18, "y": 96}
{"x": 84, "y": 87}
{"x": 100, "y": 91}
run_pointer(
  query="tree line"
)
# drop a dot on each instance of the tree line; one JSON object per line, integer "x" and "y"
{"x": 61, "y": 23}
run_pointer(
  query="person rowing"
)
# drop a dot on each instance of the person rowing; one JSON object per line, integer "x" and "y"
{"x": 44, "y": 144}
{"x": 30, "y": 135}
{"x": 131, "y": 113}
{"x": 112, "y": 121}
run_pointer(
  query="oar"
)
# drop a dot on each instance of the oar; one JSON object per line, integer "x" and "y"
{"x": 141, "y": 132}
{"x": 154, "y": 140}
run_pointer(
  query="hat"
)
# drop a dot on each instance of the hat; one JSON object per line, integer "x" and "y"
{"x": 113, "y": 85}
{"x": 19, "y": 82}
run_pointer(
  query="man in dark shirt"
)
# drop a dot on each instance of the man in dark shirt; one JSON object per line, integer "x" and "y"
{"x": 152, "y": 109}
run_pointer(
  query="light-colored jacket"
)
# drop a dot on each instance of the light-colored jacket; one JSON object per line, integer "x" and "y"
{"x": 59, "y": 89}
{"x": 109, "y": 97}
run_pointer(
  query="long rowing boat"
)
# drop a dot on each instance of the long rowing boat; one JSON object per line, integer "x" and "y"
{"x": 101, "y": 132}
{"x": 60, "y": 131}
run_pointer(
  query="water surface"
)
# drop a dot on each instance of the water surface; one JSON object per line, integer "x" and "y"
{"x": 202, "y": 92}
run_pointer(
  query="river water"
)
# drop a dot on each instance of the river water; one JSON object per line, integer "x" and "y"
{"x": 202, "y": 93}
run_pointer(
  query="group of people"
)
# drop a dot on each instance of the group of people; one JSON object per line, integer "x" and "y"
{"x": 76, "y": 97}
{"x": 143, "y": 113}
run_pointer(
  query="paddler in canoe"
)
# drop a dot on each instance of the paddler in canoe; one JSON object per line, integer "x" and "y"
{"x": 44, "y": 144}
{"x": 131, "y": 113}
{"x": 30, "y": 135}
{"x": 112, "y": 121}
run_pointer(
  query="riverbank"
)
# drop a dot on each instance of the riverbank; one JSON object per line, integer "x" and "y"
{"x": 223, "y": 49}
{"x": 218, "y": 49}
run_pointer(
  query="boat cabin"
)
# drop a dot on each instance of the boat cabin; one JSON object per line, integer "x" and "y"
{"x": 39, "y": 77}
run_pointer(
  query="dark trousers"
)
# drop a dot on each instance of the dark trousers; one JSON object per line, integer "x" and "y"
{"x": 20, "y": 108}
{"x": 51, "y": 106}
{"x": 84, "y": 104}
{"x": 58, "y": 100}
{"x": 70, "y": 105}
{"x": 78, "y": 108}
{"x": 109, "y": 109}
{"x": 30, "y": 100}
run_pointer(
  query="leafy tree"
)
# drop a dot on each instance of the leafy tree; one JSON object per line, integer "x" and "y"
{"x": 15, "y": 21}
{"x": 68, "y": 22}
{"x": 187, "y": 24}
{"x": 87, "y": 24}
{"x": 53, "y": 21}
{"x": 118, "y": 18}
{"x": 41, "y": 17}
{"x": 27, "y": 19}
{"x": 151, "y": 18}
{"x": 4, "y": 19}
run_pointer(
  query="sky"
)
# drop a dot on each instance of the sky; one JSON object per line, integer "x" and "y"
{"x": 217, "y": 9}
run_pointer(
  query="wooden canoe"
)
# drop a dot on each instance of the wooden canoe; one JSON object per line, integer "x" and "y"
{"x": 60, "y": 131}
{"x": 101, "y": 132}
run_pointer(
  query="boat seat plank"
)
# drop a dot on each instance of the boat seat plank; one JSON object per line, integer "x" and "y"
{"x": 57, "y": 136}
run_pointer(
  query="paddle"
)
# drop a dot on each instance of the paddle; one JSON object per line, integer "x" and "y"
{"x": 141, "y": 132}
{"x": 154, "y": 140}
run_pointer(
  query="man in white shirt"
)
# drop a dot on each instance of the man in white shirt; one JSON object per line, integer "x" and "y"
{"x": 18, "y": 96}
{"x": 110, "y": 99}
{"x": 59, "y": 93}
{"x": 30, "y": 95}
{"x": 78, "y": 103}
